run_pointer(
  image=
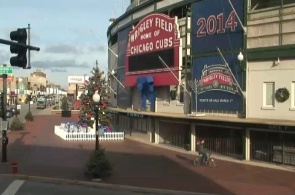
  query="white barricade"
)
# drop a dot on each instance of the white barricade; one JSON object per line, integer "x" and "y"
{"x": 89, "y": 136}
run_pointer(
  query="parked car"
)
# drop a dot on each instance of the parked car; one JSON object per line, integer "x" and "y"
{"x": 41, "y": 103}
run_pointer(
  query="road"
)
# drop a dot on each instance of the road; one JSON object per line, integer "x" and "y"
{"x": 14, "y": 186}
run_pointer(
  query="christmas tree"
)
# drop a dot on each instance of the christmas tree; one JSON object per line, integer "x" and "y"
{"x": 96, "y": 82}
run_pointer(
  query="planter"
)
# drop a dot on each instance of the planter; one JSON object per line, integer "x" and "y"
{"x": 66, "y": 113}
{"x": 59, "y": 112}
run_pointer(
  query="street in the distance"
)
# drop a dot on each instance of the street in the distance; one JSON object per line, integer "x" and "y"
{"x": 25, "y": 109}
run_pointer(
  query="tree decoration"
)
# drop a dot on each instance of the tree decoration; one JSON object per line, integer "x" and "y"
{"x": 97, "y": 82}
{"x": 282, "y": 94}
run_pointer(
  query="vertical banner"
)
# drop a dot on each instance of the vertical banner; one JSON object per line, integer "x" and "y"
{"x": 122, "y": 45}
{"x": 215, "y": 25}
{"x": 217, "y": 89}
{"x": 123, "y": 94}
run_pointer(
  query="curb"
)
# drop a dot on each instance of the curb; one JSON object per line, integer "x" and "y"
{"x": 228, "y": 159}
{"x": 102, "y": 185}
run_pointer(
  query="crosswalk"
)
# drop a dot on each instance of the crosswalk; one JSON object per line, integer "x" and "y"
{"x": 13, "y": 187}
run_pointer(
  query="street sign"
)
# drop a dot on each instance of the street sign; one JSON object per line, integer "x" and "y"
{"x": 4, "y": 69}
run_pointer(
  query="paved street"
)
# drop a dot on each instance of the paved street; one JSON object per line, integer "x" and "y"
{"x": 11, "y": 186}
{"x": 40, "y": 153}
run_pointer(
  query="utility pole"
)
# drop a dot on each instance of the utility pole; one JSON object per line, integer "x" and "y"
{"x": 4, "y": 121}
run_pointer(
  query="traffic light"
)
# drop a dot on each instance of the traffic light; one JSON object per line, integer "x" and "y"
{"x": 20, "y": 35}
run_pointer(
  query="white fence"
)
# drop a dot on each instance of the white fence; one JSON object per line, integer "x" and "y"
{"x": 89, "y": 136}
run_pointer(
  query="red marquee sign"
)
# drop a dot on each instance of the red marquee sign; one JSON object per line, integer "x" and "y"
{"x": 154, "y": 33}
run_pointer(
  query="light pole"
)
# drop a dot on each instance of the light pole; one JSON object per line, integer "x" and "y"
{"x": 96, "y": 99}
{"x": 240, "y": 57}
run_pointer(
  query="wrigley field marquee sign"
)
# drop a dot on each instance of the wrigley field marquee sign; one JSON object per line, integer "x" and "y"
{"x": 154, "y": 32}
{"x": 156, "y": 35}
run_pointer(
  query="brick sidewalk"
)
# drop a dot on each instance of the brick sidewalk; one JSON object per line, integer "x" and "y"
{"x": 40, "y": 153}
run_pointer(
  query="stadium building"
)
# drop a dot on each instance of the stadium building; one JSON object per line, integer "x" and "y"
{"x": 217, "y": 70}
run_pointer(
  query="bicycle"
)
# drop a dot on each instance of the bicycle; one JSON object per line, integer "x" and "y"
{"x": 210, "y": 161}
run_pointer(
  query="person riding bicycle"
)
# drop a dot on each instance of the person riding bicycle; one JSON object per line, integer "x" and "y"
{"x": 202, "y": 151}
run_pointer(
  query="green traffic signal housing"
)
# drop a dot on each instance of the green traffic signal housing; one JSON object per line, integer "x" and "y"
{"x": 20, "y": 35}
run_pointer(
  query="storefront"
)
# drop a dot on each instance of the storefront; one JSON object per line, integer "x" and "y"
{"x": 175, "y": 133}
{"x": 273, "y": 144}
{"x": 223, "y": 140}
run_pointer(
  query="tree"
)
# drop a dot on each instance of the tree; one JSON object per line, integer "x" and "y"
{"x": 16, "y": 124}
{"x": 29, "y": 116}
{"x": 98, "y": 165}
{"x": 97, "y": 82}
{"x": 64, "y": 104}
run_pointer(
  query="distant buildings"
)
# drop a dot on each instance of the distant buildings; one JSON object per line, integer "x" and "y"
{"x": 36, "y": 84}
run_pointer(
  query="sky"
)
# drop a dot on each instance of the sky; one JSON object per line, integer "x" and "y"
{"x": 71, "y": 34}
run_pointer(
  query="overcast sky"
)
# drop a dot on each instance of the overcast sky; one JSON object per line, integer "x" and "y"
{"x": 62, "y": 30}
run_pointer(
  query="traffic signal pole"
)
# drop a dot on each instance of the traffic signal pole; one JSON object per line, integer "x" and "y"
{"x": 29, "y": 43}
{"x": 29, "y": 47}
{"x": 4, "y": 119}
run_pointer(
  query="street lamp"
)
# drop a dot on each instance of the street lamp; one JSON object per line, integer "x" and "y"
{"x": 240, "y": 57}
{"x": 29, "y": 98}
{"x": 96, "y": 99}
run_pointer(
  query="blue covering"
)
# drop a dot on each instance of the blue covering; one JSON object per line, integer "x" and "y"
{"x": 146, "y": 86}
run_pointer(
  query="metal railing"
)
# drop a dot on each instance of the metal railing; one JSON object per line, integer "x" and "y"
{"x": 175, "y": 140}
{"x": 273, "y": 152}
{"x": 232, "y": 147}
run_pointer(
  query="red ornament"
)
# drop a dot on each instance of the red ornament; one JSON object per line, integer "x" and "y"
{"x": 96, "y": 88}
{"x": 104, "y": 104}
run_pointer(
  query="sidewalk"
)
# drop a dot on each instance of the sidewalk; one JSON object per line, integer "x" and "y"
{"x": 39, "y": 153}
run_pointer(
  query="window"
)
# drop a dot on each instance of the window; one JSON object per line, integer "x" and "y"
{"x": 268, "y": 95}
{"x": 150, "y": 61}
{"x": 262, "y": 4}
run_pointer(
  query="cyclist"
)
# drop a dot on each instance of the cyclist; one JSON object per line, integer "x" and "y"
{"x": 202, "y": 151}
